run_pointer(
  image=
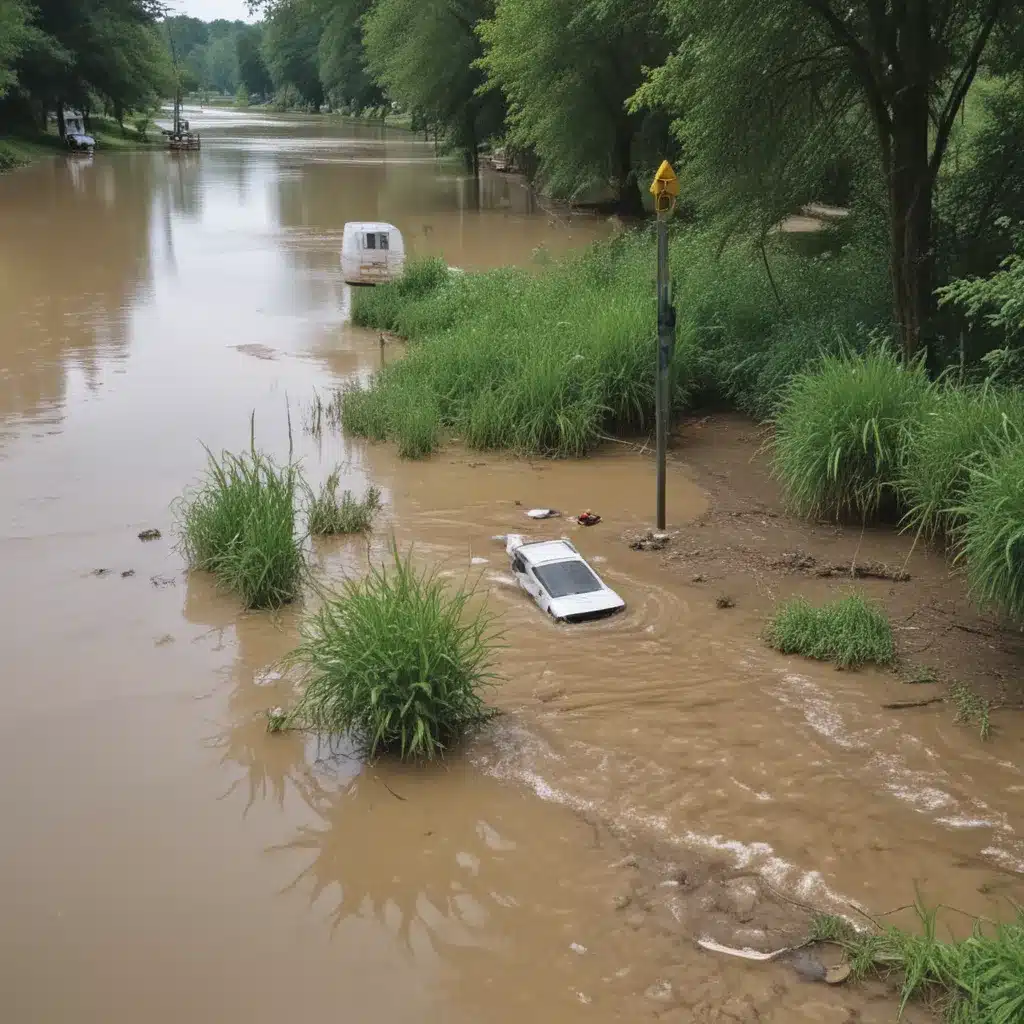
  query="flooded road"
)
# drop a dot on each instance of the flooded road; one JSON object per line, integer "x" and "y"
{"x": 656, "y": 777}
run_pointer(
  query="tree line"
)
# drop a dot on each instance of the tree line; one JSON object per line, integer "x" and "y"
{"x": 908, "y": 113}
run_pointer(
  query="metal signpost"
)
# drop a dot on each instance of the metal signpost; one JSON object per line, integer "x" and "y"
{"x": 664, "y": 188}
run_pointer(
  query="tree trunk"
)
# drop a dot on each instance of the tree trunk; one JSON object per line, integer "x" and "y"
{"x": 911, "y": 183}
{"x": 629, "y": 201}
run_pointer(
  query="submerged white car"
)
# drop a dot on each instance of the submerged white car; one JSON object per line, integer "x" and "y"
{"x": 555, "y": 575}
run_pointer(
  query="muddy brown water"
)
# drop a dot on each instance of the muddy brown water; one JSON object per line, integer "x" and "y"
{"x": 656, "y": 777}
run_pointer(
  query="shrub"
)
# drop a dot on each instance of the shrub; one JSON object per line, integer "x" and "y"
{"x": 327, "y": 515}
{"x": 397, "y": 660}
{"x": 990, "y": 539}
{"x": 848, "y": 632}
{"x": 240, "y": 526}
{"x": 842, "y": 430}
{"x": 963, "y": 427}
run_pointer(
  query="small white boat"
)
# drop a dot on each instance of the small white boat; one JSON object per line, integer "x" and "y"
{"x": 371, "y": 252}
{"x": 562, "y": 584}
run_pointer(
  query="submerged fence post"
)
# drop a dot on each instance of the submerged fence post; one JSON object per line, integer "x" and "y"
{"x": 664, "y": 188}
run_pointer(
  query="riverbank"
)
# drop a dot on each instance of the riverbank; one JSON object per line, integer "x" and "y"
{"x": 20, "y": 151}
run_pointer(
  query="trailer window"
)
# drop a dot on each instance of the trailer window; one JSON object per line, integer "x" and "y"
{"x": 561, "y": 579}
{"x": 371, "y": 240}
{"x": 383, "y": 244}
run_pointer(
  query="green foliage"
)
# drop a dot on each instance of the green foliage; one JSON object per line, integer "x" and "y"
{"x": 327, "y": 515}
{"x": 340, "y": 57}
{"x": 14, "y": 34}
{"x": 849, "y": 631}
{"x": 842, "y": 430}
{"x": 291, "y": 36}
{"x": 239, "y": 525}
{"x": 978, "y": 980}
{"x": 960, "y": 430}
{"x": 423, "y": 54}
{"x": 398, "y": 660}
{"x": 252, "y": 69}
{"x": 541, "y": 363}
{"x": 566, "y": 68}
{"x": 991, "y": 538}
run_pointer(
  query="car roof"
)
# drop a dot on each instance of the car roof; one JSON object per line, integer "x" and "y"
{"x": 540, "y": 552}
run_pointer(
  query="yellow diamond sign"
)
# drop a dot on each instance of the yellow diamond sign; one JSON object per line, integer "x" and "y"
{"x": 665, "y": 182}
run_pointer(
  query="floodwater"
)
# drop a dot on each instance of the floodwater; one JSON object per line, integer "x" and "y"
{"x": 655, "y": 778}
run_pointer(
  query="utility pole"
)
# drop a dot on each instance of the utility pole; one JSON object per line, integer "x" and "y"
{"x": 664, "y": 188}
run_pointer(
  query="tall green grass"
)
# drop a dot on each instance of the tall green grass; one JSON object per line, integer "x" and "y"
{"x": 398, "y": 660}
{"x": 847, "y": 632}
{"x": 964, "y": 426}
{"x": 977, "y": 980}
{"x": 842, "y": 432}
{"x": 990, "y": 539}
{"x": 239, "y": 525}
{"x": 547, "y": 361}
{"x": 327, "y": 514}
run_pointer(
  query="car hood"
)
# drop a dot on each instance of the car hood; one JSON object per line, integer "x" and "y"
{"x": 586, "y": 604}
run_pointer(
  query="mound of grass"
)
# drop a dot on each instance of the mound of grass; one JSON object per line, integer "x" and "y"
{"x": 539, "y": 363}
{"x": 963, "y": 428}
{"x": 327, "y": 515}
{"x": 842, "y": 431}
{"x": 240, "y": 526}
{"x": 971, "y": 709}
{"x": 381, "y": 305}
{"x": 991, "y": 538}
{"x": 849, "y": 631}
{"x": 397, "y": 660}
{"x": 977, "y": 980}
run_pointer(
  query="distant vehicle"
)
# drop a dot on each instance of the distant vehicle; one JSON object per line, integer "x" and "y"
{"x": 371, "y": 252}
{"x": 558, "y": 579}
{"x": 74, "y": 132}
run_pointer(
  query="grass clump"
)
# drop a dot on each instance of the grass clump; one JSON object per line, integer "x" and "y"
{"x": 240, "y": 526}
{"x": 382, "y": 305}
{"x": 991, "y": 538}
{"x": 962, "y": 429}
{"x": 397, "y": 660}
{"x": 539, "y": 363}
{"x": 842, "y": 431}
{"x": 971, "y": 709}
{"x": 848, "y": 632}
{"x": 977, "y": 980}
{"x": 327, "y": 515}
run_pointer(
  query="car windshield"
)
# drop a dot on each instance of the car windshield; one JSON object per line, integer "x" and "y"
{"x": 562, "y": 579}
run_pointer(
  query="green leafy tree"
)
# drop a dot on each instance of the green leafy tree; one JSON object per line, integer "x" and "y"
{"x": 291, "y": 38}
{"x": 567, "y": 69}
{"x": 424, "y": 54}
{"x": 14, "y": 32}
{"x": 252, "y": 70}
{"x": 340, "y": 57}
{"x": 222, "y": 63}
{"x": 784, "y": 77}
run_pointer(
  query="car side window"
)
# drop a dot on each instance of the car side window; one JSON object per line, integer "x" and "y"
{"x": 518, "y": 564}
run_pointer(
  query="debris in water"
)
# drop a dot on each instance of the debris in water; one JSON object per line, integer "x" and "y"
{"x": 162, "y": 581}
{"x": 706, "y": 942}
{"x": 660, "y": 991}
{"x": 699, "y": 578}
{"x": 650, "y": 541}
{"x": 127, "y": 573}
{"x": 149, "y": 535}
{"x": 724, "y": 601}
{"x": 276, "y": 719}
{"x": 588, "y": 518}
{"x": 837, "y": 974}
{"x": 542, "y": 513}
{"x": 100, "y": 572}
{"x": 809, "y": 967}
{"x": 577, "y": 948}
{"x": 629, "y": 861}
{"x": 477, "y": 560}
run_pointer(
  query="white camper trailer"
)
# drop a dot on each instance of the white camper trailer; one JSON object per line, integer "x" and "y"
{"x": 371, "y": 253}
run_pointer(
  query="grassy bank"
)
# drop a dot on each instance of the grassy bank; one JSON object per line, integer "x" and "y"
{"x": 548, "y": 360}
{"x": 17, "y": 151}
